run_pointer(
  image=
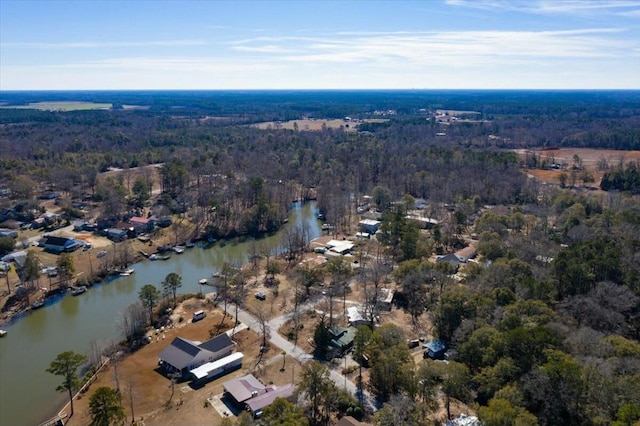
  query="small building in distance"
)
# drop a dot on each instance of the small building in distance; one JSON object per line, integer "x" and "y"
{"x": 435, "y": 349}
{"x": 8, "y": 233}
{"x": 115, "y": 234}
{"x": 369, "y": 226}
{"x": 59, "y": 245}
{"x": 141, "y": 224}
{"x": 350, "y": 421}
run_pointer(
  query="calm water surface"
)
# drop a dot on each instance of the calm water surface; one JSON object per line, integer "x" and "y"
{"x": 27, "y": 391}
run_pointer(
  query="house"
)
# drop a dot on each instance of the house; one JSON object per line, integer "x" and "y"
{"x": 452, "y": 258}
{"x": 115, "y": 234}
{"x": 8, "y": 233}
{"x": 59, "y": 245}
{"x": 369, "y": 226}
{"x": 355, "y": 317}
{"x": 183, "y": 355}
{"x": 342, "y": 338}
{"x": 80, "y": 225}
{"x": 49, "y": 195}
{"x": 350, "y": 421}
{"x": 385, "y": 298}
{"x": 423, "y": 222}
{"x": 244, "y": 388}
{"x": 467, "y": 253}
{"x": 17, "y": 257}
{"x": 435, "y": 349}
{"x": 340, "y": 247}
{"x": 256, "y": 404}
{"x": 141, "y": 224}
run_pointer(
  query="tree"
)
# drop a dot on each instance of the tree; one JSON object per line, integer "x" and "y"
{"x": 66, "y": 268}
{"x": 141, "y": 190}
{"x": 66, "y": 364}
{"x": 283, "y": 413}
{"x": 500, "y": 412}
{"x": 339, "y": 270}
{"x": 391, "y": 362}
{"x": 31, "y": 267}
{"x": 149, "y": 296}
{"x": 316, "y": 384}
{"x": 105, "y": 406}
{"x": 171, "y": 284}
{"x": 455, "y": 383}
{"x": 321, "y": 338}
{"x": 7, "y": 244}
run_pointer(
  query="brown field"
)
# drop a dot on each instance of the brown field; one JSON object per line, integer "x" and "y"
{"x": 589, "y": 157}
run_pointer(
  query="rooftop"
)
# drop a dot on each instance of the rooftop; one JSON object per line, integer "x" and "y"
{"x": 244, "y": 388}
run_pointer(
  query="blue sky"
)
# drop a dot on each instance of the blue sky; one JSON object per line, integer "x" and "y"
{"x": 428, "y": 44}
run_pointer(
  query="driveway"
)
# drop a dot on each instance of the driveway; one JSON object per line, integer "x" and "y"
{"x": 298, "y": 353}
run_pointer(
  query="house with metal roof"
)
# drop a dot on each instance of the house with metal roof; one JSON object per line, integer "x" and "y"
{"x": 244, "y": 388}
{"x": 256, "y": 404}
{"x": 59, "y": 245}
{"x": 183, "y": 355}
{"x": 435, "y": 349}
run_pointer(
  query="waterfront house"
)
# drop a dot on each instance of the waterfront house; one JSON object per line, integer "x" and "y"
{"x": 59, "y": 245}
{"x": 183, "y": 355}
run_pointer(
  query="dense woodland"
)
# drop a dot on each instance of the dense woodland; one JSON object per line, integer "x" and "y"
{"x": 546, "y": 326}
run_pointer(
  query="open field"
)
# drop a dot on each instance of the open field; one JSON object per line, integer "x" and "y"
{"x": 63, "y": 106}
{"x": 589, "y": 158}
{"x": 315, "y": 125}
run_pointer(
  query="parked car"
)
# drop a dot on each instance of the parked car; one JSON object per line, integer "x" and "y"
{"x": 102, "y": 253}
{"x": 261, "y": 296}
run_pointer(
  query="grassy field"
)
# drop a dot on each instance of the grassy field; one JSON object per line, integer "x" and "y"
{"x": 63, "y": 106}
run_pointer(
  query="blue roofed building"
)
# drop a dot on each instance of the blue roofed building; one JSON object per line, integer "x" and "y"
{"x": 435, "y": 349}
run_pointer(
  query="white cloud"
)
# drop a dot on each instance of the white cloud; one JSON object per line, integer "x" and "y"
{"x": 553, "y": 6}
{"x": 99, "y": 45}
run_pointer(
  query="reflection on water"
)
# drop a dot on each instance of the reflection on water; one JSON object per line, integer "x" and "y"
{"x": 27, "y": 392}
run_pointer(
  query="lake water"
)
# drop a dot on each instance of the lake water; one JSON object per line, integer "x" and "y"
{"x": 27, "y": 391}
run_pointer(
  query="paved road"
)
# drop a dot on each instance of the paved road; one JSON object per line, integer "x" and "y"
{"x": 298, "y": 353}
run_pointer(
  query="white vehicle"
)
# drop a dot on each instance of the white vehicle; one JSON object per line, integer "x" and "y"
{"x": 198, "y": 315}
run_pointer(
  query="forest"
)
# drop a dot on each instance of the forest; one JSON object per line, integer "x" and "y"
{"x": 546, "y": 323}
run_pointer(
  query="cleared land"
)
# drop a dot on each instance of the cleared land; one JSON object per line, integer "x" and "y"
{"x": 315, "y": 125}
{"x": 589, "y": 158}
{"x": 63, "y": 106}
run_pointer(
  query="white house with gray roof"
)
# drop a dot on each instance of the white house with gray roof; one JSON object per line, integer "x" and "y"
{"x": 183, "y": 355}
